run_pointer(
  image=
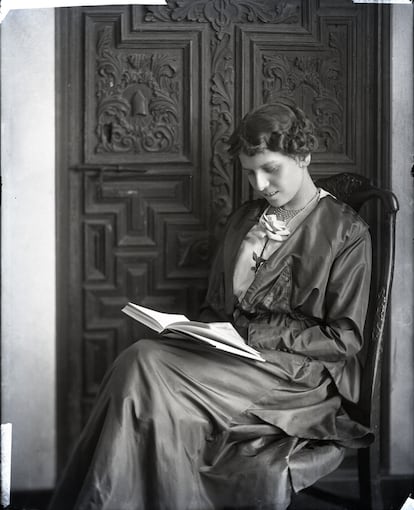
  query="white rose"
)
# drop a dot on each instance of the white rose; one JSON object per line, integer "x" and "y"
{"x": 274, "y": 228}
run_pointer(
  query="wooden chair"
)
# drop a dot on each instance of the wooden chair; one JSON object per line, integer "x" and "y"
{"x": 357, "y": 191}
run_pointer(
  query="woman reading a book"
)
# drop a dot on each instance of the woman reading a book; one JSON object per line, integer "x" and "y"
{"x": 179, "y": 426}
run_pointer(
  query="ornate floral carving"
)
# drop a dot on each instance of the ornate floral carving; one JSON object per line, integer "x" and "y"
{"x": 380, "y": 312}
{"x": 137, "y": 100}
{"x": 317, "y": 80}
{"x": 222, "y": 93}
{"x": 221, "y": 13}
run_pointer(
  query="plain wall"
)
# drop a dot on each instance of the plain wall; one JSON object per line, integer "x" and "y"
{"x": 28, "y": 243}
{"x": 402, "y": 302}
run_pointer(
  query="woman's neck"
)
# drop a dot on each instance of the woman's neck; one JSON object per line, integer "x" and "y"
{"x": 304, "y": 195}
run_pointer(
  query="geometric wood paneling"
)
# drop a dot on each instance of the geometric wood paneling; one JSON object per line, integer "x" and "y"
{"x": 97, "y": 245}
{"x": 99, "y": 353}
{"x": 141, "y": 243}
{"x": 135, "y": 206}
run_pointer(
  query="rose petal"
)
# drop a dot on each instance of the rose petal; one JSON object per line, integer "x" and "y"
{"x": 274, "y": 222}
{"x": 277, "y": 237}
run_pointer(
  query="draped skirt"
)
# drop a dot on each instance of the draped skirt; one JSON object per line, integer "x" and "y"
{"x": 180, "y": 426}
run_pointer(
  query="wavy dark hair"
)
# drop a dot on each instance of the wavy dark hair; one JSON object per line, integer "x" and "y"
{"x": 277, "y": 127}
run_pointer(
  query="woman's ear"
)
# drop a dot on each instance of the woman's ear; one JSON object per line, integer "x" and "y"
{"x": 306, "y": 160}
{"x": 303, "y": 162}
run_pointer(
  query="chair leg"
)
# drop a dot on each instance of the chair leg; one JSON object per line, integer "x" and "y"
{"x": 369, "y": 478}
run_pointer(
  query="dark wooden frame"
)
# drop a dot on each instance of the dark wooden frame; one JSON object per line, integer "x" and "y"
{"x": 64, "y": 123}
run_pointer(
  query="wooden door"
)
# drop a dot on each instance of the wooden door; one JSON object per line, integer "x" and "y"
{"x": 147, "y": 98}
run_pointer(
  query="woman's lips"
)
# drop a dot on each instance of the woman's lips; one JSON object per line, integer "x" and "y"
{"x": 270, "y": 194}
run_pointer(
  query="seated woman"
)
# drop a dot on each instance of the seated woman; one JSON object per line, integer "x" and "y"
{"x": 177, "y": 426}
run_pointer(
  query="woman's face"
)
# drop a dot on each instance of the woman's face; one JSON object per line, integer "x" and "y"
{"x": 276, "y": 177}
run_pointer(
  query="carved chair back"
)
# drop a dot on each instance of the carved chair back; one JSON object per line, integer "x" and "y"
{"x": 357, "y": 191}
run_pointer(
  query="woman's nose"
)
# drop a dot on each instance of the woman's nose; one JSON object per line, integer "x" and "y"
{"x": 261, "y": 181}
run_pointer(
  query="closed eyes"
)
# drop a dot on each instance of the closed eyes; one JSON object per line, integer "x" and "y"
{"x": 272, "y": 169}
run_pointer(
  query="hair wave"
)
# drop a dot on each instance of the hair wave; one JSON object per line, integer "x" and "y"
{"x": 277, "y": 127}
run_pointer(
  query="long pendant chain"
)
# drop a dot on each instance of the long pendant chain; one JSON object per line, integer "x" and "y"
{"x": 258, "y": 259}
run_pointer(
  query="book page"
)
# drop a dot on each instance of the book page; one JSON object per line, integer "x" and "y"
{"x": 158, "y": 321}
{"x": 255, "y": 355}
{"x": 222, "y": 332}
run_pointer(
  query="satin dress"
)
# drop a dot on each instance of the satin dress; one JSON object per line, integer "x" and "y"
{"x": 179, "y": 426}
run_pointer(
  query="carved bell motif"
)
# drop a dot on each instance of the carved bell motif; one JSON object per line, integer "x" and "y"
{"x": 139, "y": 104}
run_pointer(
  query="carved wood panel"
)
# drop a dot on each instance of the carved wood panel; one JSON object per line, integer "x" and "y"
{"x": 137, "y": 101}
{"x": 151, "y": 95}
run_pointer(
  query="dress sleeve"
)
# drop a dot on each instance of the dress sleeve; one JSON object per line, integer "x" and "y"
{"x": 340, "y": 335}
{"x": 212, "y": 309}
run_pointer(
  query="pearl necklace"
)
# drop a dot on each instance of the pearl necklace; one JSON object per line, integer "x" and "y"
{"x": 283, "y": 214}
{"x": 286, "y": 215}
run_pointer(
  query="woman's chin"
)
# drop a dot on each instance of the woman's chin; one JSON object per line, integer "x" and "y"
{"x": 275, "y": 200}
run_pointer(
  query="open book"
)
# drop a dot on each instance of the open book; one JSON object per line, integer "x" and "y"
{"x": 220, "y": 335}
